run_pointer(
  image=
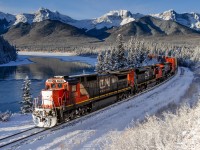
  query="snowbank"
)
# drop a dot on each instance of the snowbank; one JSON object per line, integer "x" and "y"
{"x": 180, "y": 131}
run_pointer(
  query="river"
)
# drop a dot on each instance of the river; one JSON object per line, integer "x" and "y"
{"x": 12, "y": 77}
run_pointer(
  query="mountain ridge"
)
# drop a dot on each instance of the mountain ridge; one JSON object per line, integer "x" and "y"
{"x": 48, "y": 30}
{"x": 111, "y": 19}
{"x": 191, "y": 20}
{"x": 150, "y": 26}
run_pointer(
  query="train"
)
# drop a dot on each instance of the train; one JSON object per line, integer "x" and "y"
{"x": 67, "y": 97}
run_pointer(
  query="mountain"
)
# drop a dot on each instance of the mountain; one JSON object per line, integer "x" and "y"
{"x": 6, "y": 20}
{"x": 48, "y": 33}
{"x": 45, "y": 29}
{"x": 109, "y": 20}
{"x": 41, "y": 15}
{"x": 191, "y": 20}
{"x": 150, "y": 26}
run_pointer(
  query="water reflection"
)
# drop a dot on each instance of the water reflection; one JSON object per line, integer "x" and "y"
{"x": 11, "y": 78}
{"x": 5, "y": 72}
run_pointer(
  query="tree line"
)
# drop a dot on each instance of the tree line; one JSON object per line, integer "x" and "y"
{"x": 134, "y": 53}
{"x": 7, "y": 52}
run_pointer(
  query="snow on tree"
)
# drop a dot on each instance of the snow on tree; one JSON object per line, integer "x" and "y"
{"x": 140, "y": 52}
{"x": 113, "y": 58}
{"x": 120, "y": 62}
{"x": 27, "y": 101}
{"x": 107, "y": 61}
{"x": 132, "y": 54}
{"x": 100, "y": 63}
{"x": 172, "y": 131}
{"x": 5, "y": 116}
{"x": 196, "y": 55}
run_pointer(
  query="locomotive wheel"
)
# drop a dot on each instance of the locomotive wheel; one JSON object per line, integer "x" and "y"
{"x": 83, "y": 111}
{"x": 120, "y": 97}
{"x": 126, "y": 95}
{"x": 72, "y": 115}
{"x": 66, "y": 117}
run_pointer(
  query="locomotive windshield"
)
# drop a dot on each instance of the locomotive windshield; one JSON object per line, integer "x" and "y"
{"x": 60, "y": 85}
{"x": 55, "y": 83}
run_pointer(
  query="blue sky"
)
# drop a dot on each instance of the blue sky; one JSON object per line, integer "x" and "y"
{"x": 83, "y": 9}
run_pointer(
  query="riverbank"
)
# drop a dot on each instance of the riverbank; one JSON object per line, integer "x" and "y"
{"x": 23, "y": 58}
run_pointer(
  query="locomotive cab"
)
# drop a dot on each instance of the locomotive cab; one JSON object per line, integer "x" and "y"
{"x": 60, "y": 92}
{"x": 51, "y": 98}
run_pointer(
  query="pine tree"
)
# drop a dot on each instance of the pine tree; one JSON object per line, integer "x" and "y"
{"x": 113, "y": 58}
{"x": 138, "y": 54}
{"x": 27, "y": 101}
{"x": 196, "y": 55}
{"x": 107, "y": 61}
{"x": 100, "y": 63}
{"x": 132, "y": 54}
{"x": 120, "y": 62}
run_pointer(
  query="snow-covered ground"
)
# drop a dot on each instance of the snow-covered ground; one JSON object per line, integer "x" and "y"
{"x": 90, "y": 133}
{"x": 23, "y": 58}
{"x": 16, "y": 123}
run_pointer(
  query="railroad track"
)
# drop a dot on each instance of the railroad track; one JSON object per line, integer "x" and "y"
{"x": 9, "y": 140}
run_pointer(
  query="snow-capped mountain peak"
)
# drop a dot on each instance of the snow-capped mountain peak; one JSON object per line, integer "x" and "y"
{"x": 166, "y": 15}
{"x": 44, "y": 14}
{"x": 191, "y": 20}
{"x": 111, "y": 19}
{"x": 119, "y": 13}
{"x": 41, "y": 15}
{"x": 25, "y": 18}
{"x": 114, "y": 18}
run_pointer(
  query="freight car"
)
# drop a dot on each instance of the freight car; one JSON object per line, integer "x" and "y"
{"x": 67, "y": 97}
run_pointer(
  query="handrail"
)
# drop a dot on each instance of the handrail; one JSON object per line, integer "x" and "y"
{"x": 60, "y": 99}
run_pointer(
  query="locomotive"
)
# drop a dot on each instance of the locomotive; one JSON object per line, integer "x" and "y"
{"x": 67, "y": 97}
